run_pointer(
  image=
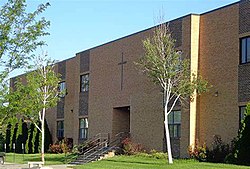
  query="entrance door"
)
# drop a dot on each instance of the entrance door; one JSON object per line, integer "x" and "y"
{"x": 121, "y": 120}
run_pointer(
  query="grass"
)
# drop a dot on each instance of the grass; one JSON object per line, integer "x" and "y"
{"x": 121, "y": 162}
{"x": 134, "y": 162}
{"x": 50, "y": 159}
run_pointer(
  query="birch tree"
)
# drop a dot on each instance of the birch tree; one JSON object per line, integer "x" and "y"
{"x": 32, "y": 98}
{"x": 167, "y": 67}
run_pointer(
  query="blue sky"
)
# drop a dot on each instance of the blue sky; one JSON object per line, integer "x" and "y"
{"x": 77, "y": 25}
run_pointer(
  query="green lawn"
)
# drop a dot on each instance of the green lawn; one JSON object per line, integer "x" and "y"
{"x": 133, "y": 162}
{"x": 50, "y": 159}
{"x": 121, "y": 162}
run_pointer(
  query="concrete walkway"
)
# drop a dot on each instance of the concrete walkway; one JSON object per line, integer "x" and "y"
{"x": 25, "y": 166}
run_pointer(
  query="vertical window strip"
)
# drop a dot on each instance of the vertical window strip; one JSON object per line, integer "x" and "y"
{"x": 84, "y": 80}
{"x": 83, "y": 128}
{"x": 174, "y": 119}
{"x": 245, "y": 50}
{"x": 60, "y": 129}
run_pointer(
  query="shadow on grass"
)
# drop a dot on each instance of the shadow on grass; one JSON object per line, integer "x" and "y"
{"x": 49, "y": 158}
{"x": 132, "y": 162}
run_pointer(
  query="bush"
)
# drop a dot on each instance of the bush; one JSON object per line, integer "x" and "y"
{"x": 158, "y": 155}
{"x": 8, "y": 138}
{"x": 48, "y": 137}
{"x": 131, "y": 148}
{"x": 2, "y": 141}
{"x": 64, "y": 146}
{"x": 242, "y": 145}
{"x": 198, "y": 152}
{"x": 219, "y": 151}
{"x": 153, "y": 154}
{"x": 67, "y": 145}
{"x": 29, "y": 148}
{"x": 55, "y": 148}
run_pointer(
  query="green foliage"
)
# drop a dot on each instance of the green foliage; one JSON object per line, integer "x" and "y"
{"x": 166, "y": 66}
{"x": 14, "y": 135}
{"x": 30, "y": 139}
{"x": 37, "y": 142}
{"x": 242, "y": 149}
{"x": 25, "y": 136}
{"x": 2, "y": 142}
{"x": 169, "y": 69}
{"x": 13, "y": 123}
{"x": 19, "y": 134}
{"x": 33, "y": 95}
{"x": 41, "y": 87}
{"x": 33, "y": 141}
{"x": 8, "y": 138}
{"x": 158, "y": 155}
{"x": 20, "y": 33}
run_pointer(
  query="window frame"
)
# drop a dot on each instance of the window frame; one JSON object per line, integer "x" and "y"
{"x": 59, "y": 88}
{"x": 84, "y": 88}
{"x": 173, "y": 124}
{"x": 84, "y": 129}
{"x": 246, "y": 51}
{"x": 59, "y": 130}
{"x": 240, "y": 113}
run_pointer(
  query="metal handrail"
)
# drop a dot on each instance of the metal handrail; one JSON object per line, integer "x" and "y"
{"x": 105, "y": 142}
{"x": 96, "y": 139}
{"x": 102, "y": 141}
{"x": 119, "y": 137}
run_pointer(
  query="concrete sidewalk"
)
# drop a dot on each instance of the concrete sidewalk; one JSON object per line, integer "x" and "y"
{"x": 25, "y": 166}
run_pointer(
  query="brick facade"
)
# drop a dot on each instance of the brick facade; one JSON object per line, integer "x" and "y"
{"x": 244, "y": 15}
{"x": 211, "y": 42}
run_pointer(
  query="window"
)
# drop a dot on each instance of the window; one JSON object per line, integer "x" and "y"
{"x": 83, "y": 128}
{"x": 84, "y": 80}
{"x": 174, "y": 121}
{"x": 242, "y": 113}
{"x": 245, "y": 50}
{"x": 62, "y": 89}
{"x": 60, "y": 130}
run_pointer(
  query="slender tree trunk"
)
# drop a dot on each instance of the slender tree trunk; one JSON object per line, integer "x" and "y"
{"x": 42, "y": 148}
{"x": 170, "y": 159}
{"x": 167, "y": 91}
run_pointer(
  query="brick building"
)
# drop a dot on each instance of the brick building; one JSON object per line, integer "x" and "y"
{"x": 107, "y": 94}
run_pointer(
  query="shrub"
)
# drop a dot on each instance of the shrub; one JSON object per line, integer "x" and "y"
{"x": 158, "y": 155}
{"x": 131, "y": 148}
{"x": 219, "y": 150}
{"x": 67, "y": 144}
{"x": 242, "y": 145}
{"x": 55, "y": 148}
{"x": 153, "y": 154}
{"x": 48, "y": 137}
{"x": 37, "y": 139}
{"x": 29, "y": 148}
{"x": 8, "y": 138}
{"x": 198, "y": 152}
{"x": 142, "y": 154}
{"x": 64, "y": 146}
